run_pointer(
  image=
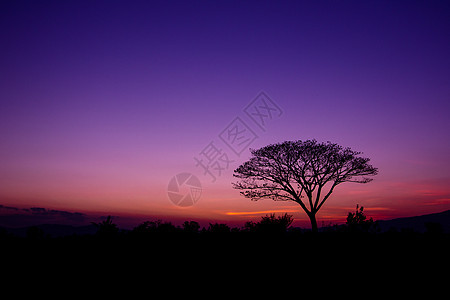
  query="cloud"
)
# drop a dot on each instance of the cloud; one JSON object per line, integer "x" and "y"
{"x": 6, "y": 208}
{"x": 248, "y": 213}
{"x": 21, "y": 217}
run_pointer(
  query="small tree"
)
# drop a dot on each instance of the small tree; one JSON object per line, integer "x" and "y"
{"x": 146, "y": 227}
{"x": 291, "y": 170}
{"x": 271, "y": 224}
{"x": 219, "y": 228}
{"x": 191, "y": 226}
{"x": 106, "y": 228}
{"x": 358, "y": 222}
{"x": 35, "y": 233}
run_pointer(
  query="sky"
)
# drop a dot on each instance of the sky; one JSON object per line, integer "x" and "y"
{"x": 103, "y": 103}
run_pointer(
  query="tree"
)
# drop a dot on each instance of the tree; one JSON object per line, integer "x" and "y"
{"x": 358, "y": 222}
{"x": 191, "y": 226}
{"x": 157, "y": 226}
{"x": 146, "y": 227}
{"x": 219, "y": 228}
{"x": 106, "y": 228}
{"x": 291, "y": 170}
{"x": 35, "y": 233}
{"x": 271, "y": 224}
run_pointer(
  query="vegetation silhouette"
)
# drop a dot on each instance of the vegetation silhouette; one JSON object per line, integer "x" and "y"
{"x": 434, "y": 228}
{"x": 291, "y": 170}
{"x": 270, "y": 224}
{"x": 191, "y": 226}
{"x": 153, "y": 227}
{"x": 270, "y": 240}
{"x": 358, "y": 222}
{"x": 218, "y": 228}
{"x": 35, "y": 233}
{"x": 106, "y": 228}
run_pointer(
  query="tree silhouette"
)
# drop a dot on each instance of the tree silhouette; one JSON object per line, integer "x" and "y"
{"x": 290, "y": 170}
{"x": 270, "y": 224}
{"x": 358, "y": 222}
{"x": 434, "y": 228}
{"x": 191, "y": 226}
{"x": 35, "y": 233}
{"x": 219, "y": 228}
{"x": 106, "y": 228}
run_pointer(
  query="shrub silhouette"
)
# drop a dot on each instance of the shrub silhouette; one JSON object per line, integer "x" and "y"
{"x": 434, "y": 228}
{"x": 191, "y": 226}
{"x": 154, "y": 227}
{"x": 145, "y": 228}
{"x": 34, "y": 233}
{"x": 219, "y": 228}
{"x": 358, "y": 222}
{"x": 106, "y": 228}
{"x": 271, "y": 224}
{"x": 167, "y": 227}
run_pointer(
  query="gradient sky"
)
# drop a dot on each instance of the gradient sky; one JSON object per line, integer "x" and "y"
{"x": 103, "y": 102}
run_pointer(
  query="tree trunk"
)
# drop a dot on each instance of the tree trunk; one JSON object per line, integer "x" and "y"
{"x": 312, "y": 218}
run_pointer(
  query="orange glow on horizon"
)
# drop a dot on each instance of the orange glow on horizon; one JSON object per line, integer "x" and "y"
{"x": 246, "y": 213}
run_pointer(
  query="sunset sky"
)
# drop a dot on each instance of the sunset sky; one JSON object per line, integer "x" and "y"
{"x": 103, "y": 102}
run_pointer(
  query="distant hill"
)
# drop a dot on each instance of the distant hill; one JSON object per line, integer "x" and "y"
{"x": 54, "y": 230}
{"x": 417, "y": 223}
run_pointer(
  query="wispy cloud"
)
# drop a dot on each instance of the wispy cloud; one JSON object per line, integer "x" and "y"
{"x": 16, "y": 217}
{"x": 260, "y": 212}
{"x": 441, "y": 201}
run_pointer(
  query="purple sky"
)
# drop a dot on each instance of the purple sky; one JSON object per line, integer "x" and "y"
{"x": 102, "y": 102}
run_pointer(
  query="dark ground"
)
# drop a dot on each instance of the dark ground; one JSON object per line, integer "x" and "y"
{"x": 158, "y": 252}
{"x": 184, "y": 263}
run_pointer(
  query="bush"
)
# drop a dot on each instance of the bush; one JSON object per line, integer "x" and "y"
{"x": 270, "y": 224}
{"x": 358, "y": 222}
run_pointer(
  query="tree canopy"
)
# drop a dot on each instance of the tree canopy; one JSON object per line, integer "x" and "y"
{"x": 291, "y": 170}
